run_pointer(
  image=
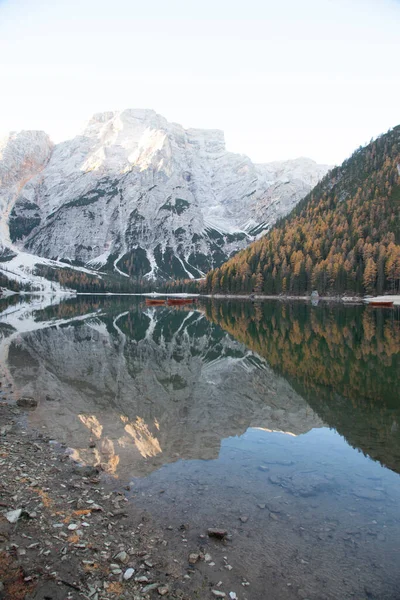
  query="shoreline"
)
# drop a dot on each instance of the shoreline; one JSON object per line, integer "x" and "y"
{"x": 352, "y": 300}
{"x": 338, "y": 299}
{"x": 253, "y": 297}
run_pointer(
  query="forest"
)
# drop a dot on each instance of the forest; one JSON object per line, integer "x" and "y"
{"x": 343, "y": 237}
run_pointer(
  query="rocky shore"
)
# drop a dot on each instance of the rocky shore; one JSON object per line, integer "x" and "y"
{"x": 68, "y": 532}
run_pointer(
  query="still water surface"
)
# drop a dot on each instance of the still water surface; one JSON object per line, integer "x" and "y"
{"x": 278, "y": 422}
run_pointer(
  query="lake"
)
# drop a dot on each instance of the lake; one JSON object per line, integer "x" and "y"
{"x": 279, "y": 422}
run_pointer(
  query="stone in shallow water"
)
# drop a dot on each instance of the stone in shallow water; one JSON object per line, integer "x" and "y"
{"x": 217, "y": 532}
{"x": 367, "y": 494}
{"x": 27, "y": 402}
{"x": 307, "y": 485}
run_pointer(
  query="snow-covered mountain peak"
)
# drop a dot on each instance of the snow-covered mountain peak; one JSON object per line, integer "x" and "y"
{"x": 135, "y": 136}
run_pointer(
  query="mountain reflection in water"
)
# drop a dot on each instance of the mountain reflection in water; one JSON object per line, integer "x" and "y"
{"x": 154, "y": 384}
{"x": 150, "y": 385}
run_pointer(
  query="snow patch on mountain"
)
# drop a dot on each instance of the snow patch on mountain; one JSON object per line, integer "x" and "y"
{"x": 22, "y": 268}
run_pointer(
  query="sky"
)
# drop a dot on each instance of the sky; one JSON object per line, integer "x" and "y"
{"x": 283, "y": 78}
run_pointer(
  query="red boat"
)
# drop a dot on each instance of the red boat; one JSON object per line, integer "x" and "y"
{"x": 382, "y": 303}
{"x": 154, "y": 302}
{"x": 179, "y": 301}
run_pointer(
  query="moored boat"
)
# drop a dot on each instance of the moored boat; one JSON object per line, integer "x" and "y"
{"x": 383, "y": 303}
{"x": 154, "y": 302}
{"x": 179, "y": 301}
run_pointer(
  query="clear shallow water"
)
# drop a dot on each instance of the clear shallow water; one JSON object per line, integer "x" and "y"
{"x": 278, "y": 422}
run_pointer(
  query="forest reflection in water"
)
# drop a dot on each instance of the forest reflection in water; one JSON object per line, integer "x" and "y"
{"x": 343, "y": 360}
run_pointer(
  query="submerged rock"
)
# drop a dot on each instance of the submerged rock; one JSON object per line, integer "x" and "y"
{"x": 27, "y": 402}
{"x": 217, "y": 533}
{"x": 367, "y": 494}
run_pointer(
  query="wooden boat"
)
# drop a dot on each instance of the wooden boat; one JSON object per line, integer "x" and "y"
{"x": 383, "y": 303}
{"x": 179, "y": 301}
{"x": 155, "y": 302}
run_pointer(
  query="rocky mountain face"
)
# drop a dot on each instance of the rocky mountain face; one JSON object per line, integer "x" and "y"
{"x": 141, "y": 196}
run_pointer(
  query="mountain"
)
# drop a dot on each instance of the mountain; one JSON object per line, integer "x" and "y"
{"x": 141, "y": 196}
{"x": 344, "y": 236}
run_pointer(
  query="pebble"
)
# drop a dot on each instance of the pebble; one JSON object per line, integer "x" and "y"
{"x": 244, "y": 519}
{"x": 122, "y": 557}
{"x": 163, "y": 590}
{"x": 193, "y": 558}
{"x": 233, "y": 596}
{"x": 72, "y": 526}
{"x": 218, "y": 594}
{"x": 149, "y": 588}
{"x": 13, "y": 515}
{"x": 128, "y": 574}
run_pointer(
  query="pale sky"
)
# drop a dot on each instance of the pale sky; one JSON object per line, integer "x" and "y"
{"x": 283, "y": 78}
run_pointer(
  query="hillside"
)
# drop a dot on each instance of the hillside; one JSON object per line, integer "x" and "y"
{"x": 343, "y": 237}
